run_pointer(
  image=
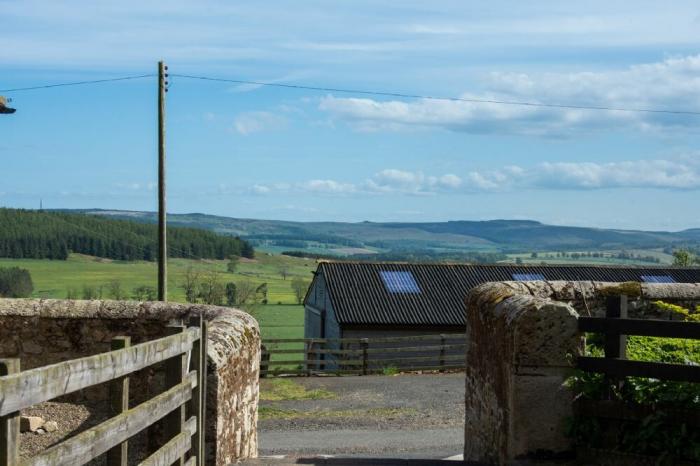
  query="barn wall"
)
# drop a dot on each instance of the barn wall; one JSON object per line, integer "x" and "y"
{"x": 453, "y": 336}
{"x": 319, "y": 317}
{"x": 313, "y": 307}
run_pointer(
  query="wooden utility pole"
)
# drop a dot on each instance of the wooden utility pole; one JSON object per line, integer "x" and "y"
{"x": 162, "y": 234}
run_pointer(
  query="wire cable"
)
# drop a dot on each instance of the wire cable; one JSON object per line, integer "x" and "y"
{"x": 450, "y": 99}
{"x": 77, "y": 83}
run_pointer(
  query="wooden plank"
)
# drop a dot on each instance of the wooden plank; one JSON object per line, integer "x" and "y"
{"x": 336, "y": 351}
{"x": 442, "y": 350}
{"x": 358, "y": 362}
{"x": 273, "y": 372}
{"x": 9, "y": 424}
{"x": 175, "y": 448}
{"x": 445, "y": 359}
{"x": 45, "y": 383}
{"x": 456, "y": 336}
{"x": 370, "y": 350}
{"x": 119, "y": 403}
{"x": 613, "y": 409}
{"x": 175, "y": 373}
{"x": 195, "y": 406}
{"x": 309, "y": 355}
{"x": 642, "y": 327}
{"x": 365, "y": 345}
{"x": 407, "y": 349}
{"x": 286, "y": 351}
{"x": 93, "y": 442}
{"x": 425, "y": 368}
{"x": 616, "y": 343}
{"x": 626, "y": 368}
{"x": 303, "y": 372}
{"x": 202, "y": 420}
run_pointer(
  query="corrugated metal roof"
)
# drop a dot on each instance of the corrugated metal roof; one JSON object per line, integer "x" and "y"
{"x": 359, "y": 295}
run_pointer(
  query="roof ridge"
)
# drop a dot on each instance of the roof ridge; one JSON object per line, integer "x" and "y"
{"x": 507, "y": 264}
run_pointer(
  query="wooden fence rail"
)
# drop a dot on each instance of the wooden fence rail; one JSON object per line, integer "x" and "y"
{"x": 616, "y": 414}
{"x": 616, "y": 326}
{"x": 181, "y": 405}
{"x": 362, "y": 356}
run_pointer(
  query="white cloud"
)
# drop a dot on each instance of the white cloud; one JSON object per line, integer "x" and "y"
{"x": 260, "y": 189}
{"x": 671, "y": 84}
{"x": 255, "y": 122}
{"x": 393, "y": 180}
{"x": 327, "y": 186}
{"x": 682, "y": 173}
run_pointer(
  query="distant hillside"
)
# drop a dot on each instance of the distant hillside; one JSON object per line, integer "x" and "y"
{"x": 31, "y": 234}
{"x": 417, "y": 239}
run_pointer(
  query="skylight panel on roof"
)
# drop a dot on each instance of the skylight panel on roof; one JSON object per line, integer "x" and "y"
{"x": 658, "y": 279}
{"x": 399, "y": 282}
{"x": 526, "y": 277}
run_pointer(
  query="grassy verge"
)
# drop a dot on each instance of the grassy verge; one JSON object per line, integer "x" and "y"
{"x": 272, "y": 412}
{"x": 285, "y": 389}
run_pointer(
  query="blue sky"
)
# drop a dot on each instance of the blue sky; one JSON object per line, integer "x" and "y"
{"x": 257, "y": 152}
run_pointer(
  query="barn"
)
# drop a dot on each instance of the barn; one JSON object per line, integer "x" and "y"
{"x": 365, "y": 300}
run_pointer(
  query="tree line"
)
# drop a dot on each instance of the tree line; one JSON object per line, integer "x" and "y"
{"x": 30, "y": 234}
{"x": 208, "y": 287}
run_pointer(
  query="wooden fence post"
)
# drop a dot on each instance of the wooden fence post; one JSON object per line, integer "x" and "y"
{"x": 264, "y": 360}
{"x": 197, "y": 403}
{"x": 119, "y": 402}
{"x": 442, "y": 352}
{"x": 9, "y": 425}
{"x": 308, "y": 353}
{"x": 615, "y": 343}
{"x": 364, "y": 343}
{"x": 175, "y": 372}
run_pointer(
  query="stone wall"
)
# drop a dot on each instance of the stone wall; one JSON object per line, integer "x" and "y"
{"x": 42, "y": 332}
{"x": 522, "y": 342}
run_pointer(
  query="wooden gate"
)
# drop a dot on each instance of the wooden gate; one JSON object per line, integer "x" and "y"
{"x": 181, "y": 406}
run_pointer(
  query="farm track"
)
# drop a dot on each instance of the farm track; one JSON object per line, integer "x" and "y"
{"x": 409, "y": 416}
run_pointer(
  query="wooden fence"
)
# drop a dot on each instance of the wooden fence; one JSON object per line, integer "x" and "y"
{"x": 362, "y": 356}
{"x": 616, "y": 327}
{"x": 181, "y": 407}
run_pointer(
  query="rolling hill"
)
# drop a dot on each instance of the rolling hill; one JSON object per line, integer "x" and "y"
{"x": 364, "y": 238}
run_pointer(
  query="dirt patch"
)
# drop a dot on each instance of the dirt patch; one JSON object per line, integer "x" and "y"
{"x": 71, "y": 419}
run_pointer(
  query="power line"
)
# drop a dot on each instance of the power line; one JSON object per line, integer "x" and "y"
{"x": 77, "y": 83}
{"x": 450, "y": 99}
{"x": 374, "y": 93}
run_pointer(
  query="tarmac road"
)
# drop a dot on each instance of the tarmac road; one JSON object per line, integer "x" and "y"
{"x": 402, "y": 416}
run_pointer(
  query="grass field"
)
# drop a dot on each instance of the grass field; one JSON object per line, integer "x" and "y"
{"x": 608, "y": 258}
{"x": 53, "y": 279}
{"x": 280, "y": 321}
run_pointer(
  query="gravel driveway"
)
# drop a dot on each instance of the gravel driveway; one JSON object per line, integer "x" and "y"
{"x": 409, "y": 416}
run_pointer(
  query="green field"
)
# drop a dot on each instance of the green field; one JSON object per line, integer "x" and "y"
{"x": 607, "y": 257}
{"x": 53, "y": 279}
{"x": 280, "y": 321}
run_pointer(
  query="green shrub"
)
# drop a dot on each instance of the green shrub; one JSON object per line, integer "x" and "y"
{"x": 657, "y": 434}
{"x": 15, "y": 283}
